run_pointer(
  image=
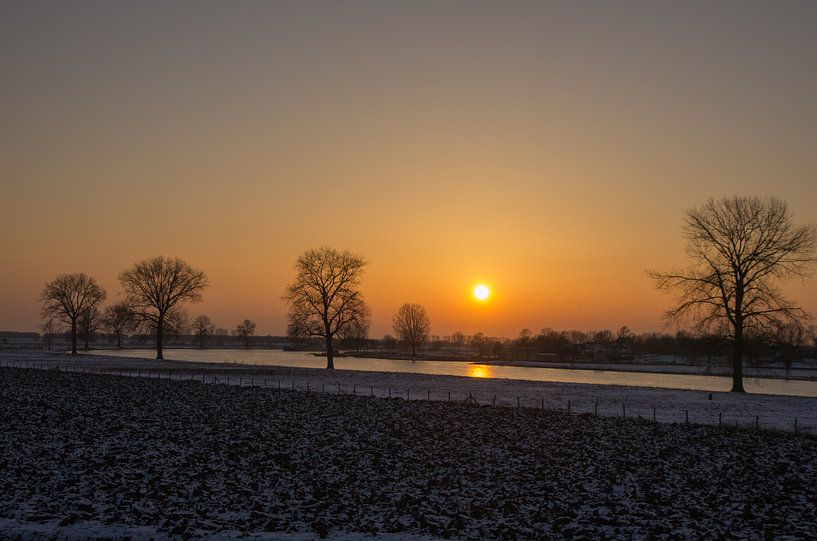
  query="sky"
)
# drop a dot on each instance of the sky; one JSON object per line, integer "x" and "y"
{"x": 548, "y": 149}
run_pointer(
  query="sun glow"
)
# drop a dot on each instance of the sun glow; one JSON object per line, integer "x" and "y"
{"x": 479, "y": 371}
{"x": 481, "y": 292}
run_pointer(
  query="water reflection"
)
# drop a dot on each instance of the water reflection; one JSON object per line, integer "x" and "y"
{"x": 479, "y": 371}
{"x": 567, "y": 375}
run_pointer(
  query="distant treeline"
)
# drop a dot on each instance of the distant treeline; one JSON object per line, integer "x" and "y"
{"x": 222, "y": 339}
{"x": 547, "y": 345}
{"x": 603, "y": 346}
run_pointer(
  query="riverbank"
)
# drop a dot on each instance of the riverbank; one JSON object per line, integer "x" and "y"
{"x": 664, "y": 405}
{"x": 150, "y": 458}
{"x": 801, "y": 371}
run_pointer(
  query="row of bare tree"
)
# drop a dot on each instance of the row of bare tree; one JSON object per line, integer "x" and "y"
{"x": 741, "y": 249}
{"x": 155, "y": 290}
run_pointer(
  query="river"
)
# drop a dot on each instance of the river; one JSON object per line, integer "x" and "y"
{"x": 271, "y": 357}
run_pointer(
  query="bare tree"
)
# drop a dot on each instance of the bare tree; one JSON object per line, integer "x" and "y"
{"x": 411, "y": 324}
{"x": 50, "y": 328}
{"x": 325, "y": 298}
{"x": 89, "y": 323}
{"x": 525, "y": 337}
{"x": 789, "y": 339}
{"x": 118, "y": 319}
{"x": 741, "y": 249}
{"x": 245, "y": 329}
{"x": 156, "y": 287}
{"x": 68, "y": 298}
{"x": 355, "y": 334}
{"x": 203, "y": 327}
{"x": 479, "y": 343}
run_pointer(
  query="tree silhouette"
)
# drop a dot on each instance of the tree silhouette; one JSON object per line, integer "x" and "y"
{"x": 203, "y": 327}
{"x": 90, "y": 322}
{"x": 118, "y": 319}
{"x": 68, "y": 298}
{"x": 156, "y": 287}
{"x": 411, "y": 324}
{"x": 741, "y": 249}
{"x": 325, "y": 298}
{"x": 246, "y": 329}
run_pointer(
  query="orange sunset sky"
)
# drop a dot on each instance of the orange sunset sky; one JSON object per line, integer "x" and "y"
{"x": 548, "y": 149}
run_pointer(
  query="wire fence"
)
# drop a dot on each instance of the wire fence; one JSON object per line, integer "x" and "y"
{"x": 712, "y": 416}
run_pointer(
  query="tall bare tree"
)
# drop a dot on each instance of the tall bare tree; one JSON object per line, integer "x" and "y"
{"x": 245, "y": 329}
{"x": 412, "y": 325}
{"x": 741, "y": 248}
{"x": 203, "y": 327}
{"x": 68, "y": 298}
{"x": 156, "y": 287}
{"x": 118, "y": 319}
{"x": 325, "y": 297}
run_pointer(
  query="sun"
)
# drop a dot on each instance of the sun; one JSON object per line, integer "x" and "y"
{"x": 481, "y": 292}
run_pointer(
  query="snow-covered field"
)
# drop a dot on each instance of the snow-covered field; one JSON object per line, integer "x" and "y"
{"x": 96, "y": 456}
{"x": 667, "y": 405}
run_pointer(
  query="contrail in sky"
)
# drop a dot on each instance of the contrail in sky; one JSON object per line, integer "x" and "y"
{"x": 500, "y": 226}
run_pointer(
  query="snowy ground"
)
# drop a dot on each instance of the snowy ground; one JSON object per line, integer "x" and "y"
{"x": 804, "y": 370}
{"x": 667, "y": 405}
{"x": 87, "y": 455}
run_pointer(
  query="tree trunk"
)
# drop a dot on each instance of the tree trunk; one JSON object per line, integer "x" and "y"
{"x": 159, "y": 330}
{"x": 737, "y": 362}
{"x": 201, "y": 340}
{"x": 413, "y": 349}
{"x": 119, "y": 340}
{"x": 73, "y": 338}
{"x": 329, "y": 353}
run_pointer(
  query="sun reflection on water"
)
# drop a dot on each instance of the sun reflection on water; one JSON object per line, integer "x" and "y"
{"x": 479, "y": 371}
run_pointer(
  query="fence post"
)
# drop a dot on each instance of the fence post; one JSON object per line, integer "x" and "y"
{"x": 795, "y": 425}
{"x": 389, "y": 392}
{"x": 338, "y": 388}
{"x": 449, "y": 396}
{"x": 307, "y": 386}
{"x": 568, "y": 407}
{"x": 757, "y": 422}
{"x": 408, "y": 394}
{"x": 428, "y": 396}
{"x": 595, "y": 409}
{"x": 686, "y": 416}
{"x": 623, "y": 411}
{"x": 371, "y": 391}
{"x": 720, "y": 418}
{"x": 354, "y": 389}
{"x": 493, "y": 402}
{"x": 543, "y": 403}
{"x": 517, "y": 402}
{"x": 653, "y": 414}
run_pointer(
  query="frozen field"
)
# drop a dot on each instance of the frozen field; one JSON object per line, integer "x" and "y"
{"x": 667, "y": 405}
{"x": 87, "y": 455}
